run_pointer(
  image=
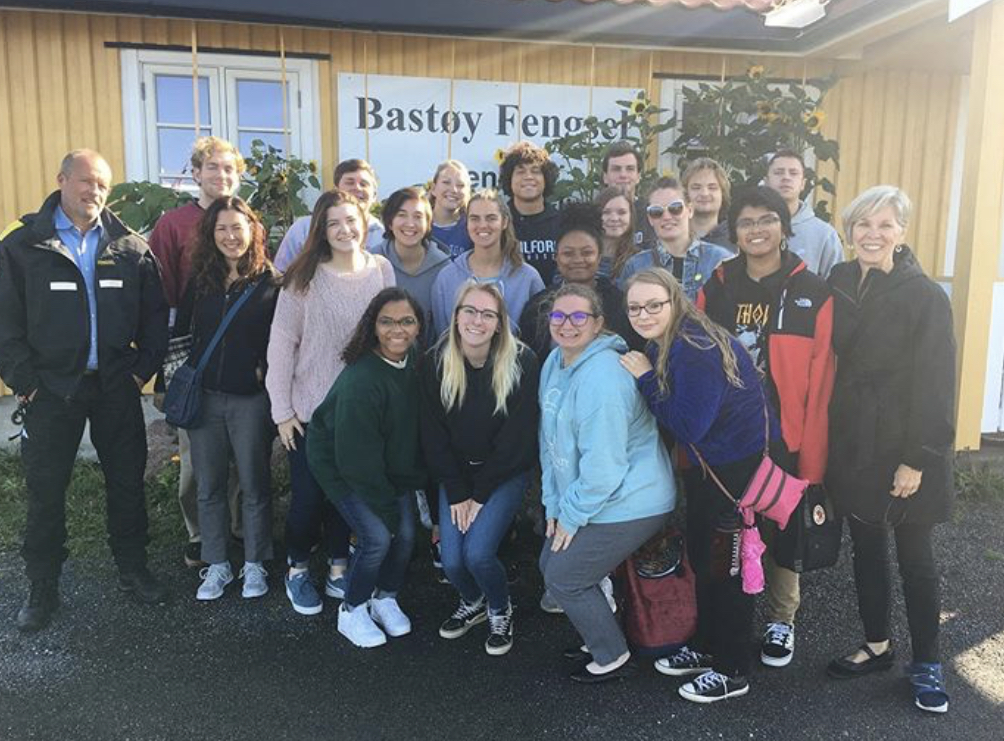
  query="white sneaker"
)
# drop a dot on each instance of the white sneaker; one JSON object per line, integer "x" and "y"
{"x": 254, "y": 575}
{"x": 607, "y": 587}
{"x": 214, "y": 578}
{"x": 356, "y": 624}
{"x": 387, "y": 613}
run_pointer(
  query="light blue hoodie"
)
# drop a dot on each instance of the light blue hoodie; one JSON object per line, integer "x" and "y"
{"x": 600, "y": 452}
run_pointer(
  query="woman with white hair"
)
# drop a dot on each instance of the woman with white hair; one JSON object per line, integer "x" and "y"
{"x": 891, "y": 432}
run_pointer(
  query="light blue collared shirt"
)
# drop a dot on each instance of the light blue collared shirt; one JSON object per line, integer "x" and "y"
{"x": 84, "y": 248}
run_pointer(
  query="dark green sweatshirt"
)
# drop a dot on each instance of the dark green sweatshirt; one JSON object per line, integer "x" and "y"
{"x": 363, "y": 438}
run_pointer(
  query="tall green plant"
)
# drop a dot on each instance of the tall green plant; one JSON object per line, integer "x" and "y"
{"x": 741, "y": 121}
{"x": 139, "y": 204}
{"x": 580, "y": 155}
{"x": 274, "y": 186}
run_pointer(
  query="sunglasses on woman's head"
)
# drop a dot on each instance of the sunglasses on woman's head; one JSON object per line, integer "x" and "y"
{"x": 675, "y": 209}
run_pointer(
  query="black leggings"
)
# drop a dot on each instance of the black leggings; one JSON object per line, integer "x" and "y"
{"x": 920, "y": 583}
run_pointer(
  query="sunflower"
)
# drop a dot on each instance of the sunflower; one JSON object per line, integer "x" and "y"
{"x": 499, "y": 156}
{"x": 814, "y": 120}
{"x": 755, "y": 72}
{"x": 765, "y": 111}
{"x": 638, "y": 106}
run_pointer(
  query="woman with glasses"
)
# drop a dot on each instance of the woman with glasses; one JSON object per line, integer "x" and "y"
{"x": 496, "y": 259}
{"x": 704, "y": 389}
{"x": 325, "y": 292}
{"x": 479, "y": 406}
{"x": 688, "y": 259}
{"x": 364, "y": 450}
{"x": 607, "y": 484}
{"x": 891, "y": 433}
{"x": 783, "y": 314}
{"x": 578, "y": 257}
{"x": 618, "y": 231}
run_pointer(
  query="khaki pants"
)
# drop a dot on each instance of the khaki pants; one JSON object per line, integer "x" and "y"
{"x": 188, "y": 494}
{"x": 783, "y": 596}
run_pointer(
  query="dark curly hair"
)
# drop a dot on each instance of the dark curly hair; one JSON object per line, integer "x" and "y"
{"x": 209, "y": 267}
{"x": 581, "y": 217}
{"x": 525, "y": 153}
{"x": 364, "y": 337}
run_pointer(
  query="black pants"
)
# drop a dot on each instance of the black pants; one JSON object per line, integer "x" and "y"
{"x": 724, "y": 611}
{"x": 920, "y": 583}
{"x": 52, "y": 431}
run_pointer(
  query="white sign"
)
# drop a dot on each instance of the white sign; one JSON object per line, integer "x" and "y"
{"x": 959, "y": 8}
{"x": 405, "y": 126}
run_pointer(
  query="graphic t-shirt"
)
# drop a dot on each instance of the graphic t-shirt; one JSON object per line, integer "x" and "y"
{"x": 537, "y": 235}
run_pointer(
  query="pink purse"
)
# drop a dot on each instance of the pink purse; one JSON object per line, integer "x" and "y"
{"x": 771, "y": 491}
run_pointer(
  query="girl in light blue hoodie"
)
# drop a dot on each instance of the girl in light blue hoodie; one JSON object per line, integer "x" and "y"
{"x": 607, "y": 482}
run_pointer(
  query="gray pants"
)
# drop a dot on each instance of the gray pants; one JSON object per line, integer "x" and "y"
{"x": 573, "y": 578}
{"x": 238, "y": 427}
{"x": 188, "y": 492}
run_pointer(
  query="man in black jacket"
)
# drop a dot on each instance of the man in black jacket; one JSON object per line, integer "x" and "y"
{"x": 83, "y": 326}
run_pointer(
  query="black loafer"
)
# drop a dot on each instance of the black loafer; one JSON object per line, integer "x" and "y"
{"x": 142, "y": 586}
{"x": 575, "y": 653}
{"x": 584, "y": 676}
{"x": 843, "y": 668}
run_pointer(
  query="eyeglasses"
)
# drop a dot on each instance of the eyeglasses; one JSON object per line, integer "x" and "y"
{"x": 577, "y": 318}
{"x": 764, "y": 222}
{"x": 651, "y": 308}
{"x": 407, "y": 322}
{"x": 469, "y": 313}
{"x": 675, "y": 209}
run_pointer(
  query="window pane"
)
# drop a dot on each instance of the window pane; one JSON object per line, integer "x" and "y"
{"x": 259, "y": 104}
{"x": 174, "y": 148}
{"x": 246, "y": 137}
{"x": 174, "y": 100}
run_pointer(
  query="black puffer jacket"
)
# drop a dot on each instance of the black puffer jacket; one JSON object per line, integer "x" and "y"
{"x": 44, "y": 318}
{"x": 894, "y": 397}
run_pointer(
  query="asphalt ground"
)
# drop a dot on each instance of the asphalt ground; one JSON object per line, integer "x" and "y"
{"x": 236, "y": 669}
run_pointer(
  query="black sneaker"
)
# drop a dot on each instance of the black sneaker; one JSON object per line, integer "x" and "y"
{"x": 37, "y": 611}
{"x": 465, "y": 617}
{"x": 778, "y": 645}
{"x": 712, "y": 687}
{"x": 193, "y": 555}
{"x": 499, "y": 633}
{"x": 683, "y": 663}
{"x": 142, "y": 585}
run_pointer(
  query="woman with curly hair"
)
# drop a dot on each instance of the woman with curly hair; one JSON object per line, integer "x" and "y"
{"x": 230, "y": 265}
{"x": 324, "y": 294}
{"x": 363, "y": 448}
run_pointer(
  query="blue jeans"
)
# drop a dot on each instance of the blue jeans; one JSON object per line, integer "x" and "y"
{"x": 470, "y": 559}
{"x": 381, "y": 558}
{"x": 310, "y": 511}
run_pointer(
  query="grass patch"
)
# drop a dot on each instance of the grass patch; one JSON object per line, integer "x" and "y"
{"x": 978, "y": 482}
{"x": 85, "y": 506}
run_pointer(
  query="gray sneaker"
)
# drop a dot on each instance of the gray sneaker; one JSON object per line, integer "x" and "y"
{"x": 254, "y": 575}
{"x": 214, "y": 578}
{"x": 549, "y": 604}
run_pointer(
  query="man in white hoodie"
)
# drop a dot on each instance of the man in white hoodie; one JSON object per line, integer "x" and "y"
{"x": 815, "y": 241}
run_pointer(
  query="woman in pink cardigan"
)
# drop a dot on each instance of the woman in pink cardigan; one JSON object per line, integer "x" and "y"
{"x": 324, "y": 294}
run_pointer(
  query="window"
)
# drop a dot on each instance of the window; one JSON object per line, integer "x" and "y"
{"x": 240, "y": 99}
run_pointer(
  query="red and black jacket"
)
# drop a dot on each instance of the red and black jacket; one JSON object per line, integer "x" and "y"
{"x": 800, "y": 361}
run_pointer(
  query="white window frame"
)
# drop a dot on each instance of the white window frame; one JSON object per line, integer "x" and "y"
{"x": 139, "y": 106}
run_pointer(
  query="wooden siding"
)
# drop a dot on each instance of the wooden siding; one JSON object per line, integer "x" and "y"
{"x": 60, "y": 88}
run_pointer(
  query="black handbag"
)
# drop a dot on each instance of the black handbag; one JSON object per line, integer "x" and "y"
{"x": 812, "y": 539}
{"x": 183, "y": 399}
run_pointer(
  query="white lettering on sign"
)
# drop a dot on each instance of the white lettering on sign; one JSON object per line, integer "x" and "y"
{"x": 405, "y": 126}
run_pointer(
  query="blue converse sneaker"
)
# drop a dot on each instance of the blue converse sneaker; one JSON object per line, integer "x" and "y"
{"x": 334, "y": 588}
{"x": 928, "y": 687}
{"x": 302, "y": 594}
{"x": 712, "y": 687}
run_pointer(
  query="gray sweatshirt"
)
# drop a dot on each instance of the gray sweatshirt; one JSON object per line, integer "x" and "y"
{"x": 815, "y": 241}
{"x": 419, "y": 283}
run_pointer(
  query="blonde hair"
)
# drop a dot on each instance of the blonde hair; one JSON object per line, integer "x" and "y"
{"x": 503, "y": 354}
{"x": 461, "y": 168}
{"x": 682, "y": 309}
{"x": 509, "y": 244}
{"x": 206, "y": 146}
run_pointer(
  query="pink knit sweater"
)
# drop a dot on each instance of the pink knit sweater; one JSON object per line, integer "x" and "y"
{"x": 311, "y": 329}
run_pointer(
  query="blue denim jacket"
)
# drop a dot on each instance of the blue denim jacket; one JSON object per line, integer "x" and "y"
{"x": 698, "y": 264}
